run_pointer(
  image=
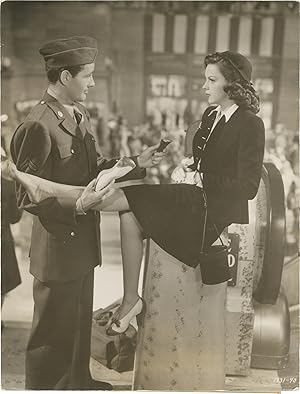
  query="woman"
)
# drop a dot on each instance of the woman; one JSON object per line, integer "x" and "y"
{"x": 227, "y": 160}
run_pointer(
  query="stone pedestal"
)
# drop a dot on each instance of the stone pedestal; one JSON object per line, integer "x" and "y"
{"x": 181, "y": 345}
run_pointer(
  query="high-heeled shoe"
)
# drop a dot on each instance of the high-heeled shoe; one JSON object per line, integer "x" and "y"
{"x": 119, "y": 326}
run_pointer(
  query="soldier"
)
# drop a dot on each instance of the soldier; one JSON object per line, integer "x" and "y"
{"x": 55, "y": 142}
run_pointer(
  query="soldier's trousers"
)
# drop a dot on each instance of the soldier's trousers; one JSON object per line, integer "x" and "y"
{"x": 58, "y": 351}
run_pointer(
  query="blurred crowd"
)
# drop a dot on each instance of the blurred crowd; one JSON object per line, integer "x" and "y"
{"x": 123, "y": 140}
{"x": 282, "y": 149}
{"x": 116, "y": 138}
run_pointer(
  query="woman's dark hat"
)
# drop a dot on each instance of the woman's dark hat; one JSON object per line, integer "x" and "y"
{"x": 72, "y": 51}
{"x": 239, "y": 62}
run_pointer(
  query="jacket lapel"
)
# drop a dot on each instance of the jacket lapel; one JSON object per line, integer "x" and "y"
{"x": 64, "y": 118}
{"x": 209, "y": 121}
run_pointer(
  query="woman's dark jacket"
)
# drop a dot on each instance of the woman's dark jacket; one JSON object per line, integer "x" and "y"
{"x": 231, "y": 163}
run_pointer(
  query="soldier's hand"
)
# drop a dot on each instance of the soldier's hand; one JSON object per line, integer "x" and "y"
{"x": 90, "y": 198}
{"x": 150, "y": 157}
{"x": 8, "y": 169}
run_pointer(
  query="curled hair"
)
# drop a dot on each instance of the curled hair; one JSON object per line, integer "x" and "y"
{"x": 238, "y": 88}
{"x": 53, "y": 73}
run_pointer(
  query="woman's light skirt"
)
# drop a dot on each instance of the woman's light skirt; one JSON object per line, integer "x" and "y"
{"x": 181, "y": 345}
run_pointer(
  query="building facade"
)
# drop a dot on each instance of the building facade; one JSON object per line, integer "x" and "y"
{"x": 151, "y": 54}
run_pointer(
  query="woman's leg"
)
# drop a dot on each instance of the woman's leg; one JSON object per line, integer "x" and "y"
{"x": 131, "y": 247}
{"x": 132, "y": 254}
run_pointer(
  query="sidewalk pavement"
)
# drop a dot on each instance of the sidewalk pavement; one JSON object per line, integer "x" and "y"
{"x": 18, "y": 307}
{"x": 14, "y": 339}
{"x": 15, "y": 336}
{"x": 17, "y": 315}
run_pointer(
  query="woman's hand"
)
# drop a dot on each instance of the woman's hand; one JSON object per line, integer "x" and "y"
{"x": 183, "y": 174}
{"x": 150, "y": 157}
{"x": 90, "y": 198}
{"x": 179, "y": 173}
{"x": 185, "y": 163}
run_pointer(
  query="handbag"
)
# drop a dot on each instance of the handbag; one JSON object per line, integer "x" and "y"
{"x": 213, "y": 261}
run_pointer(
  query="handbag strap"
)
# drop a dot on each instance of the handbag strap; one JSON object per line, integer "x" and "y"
{"x": 206, "y": 218}
{"x": 204, "y": 228}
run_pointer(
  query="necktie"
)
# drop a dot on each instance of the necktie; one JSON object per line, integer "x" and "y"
{"x": 78, "y": 116}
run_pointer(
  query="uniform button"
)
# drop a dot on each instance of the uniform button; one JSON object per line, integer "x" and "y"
{"x": 93, "y": 139}
{"x": 72, "y": 234}
{"x": 42, "y": 102}
{"x": 72, "y": 151}
{"x": 60, "y": 114}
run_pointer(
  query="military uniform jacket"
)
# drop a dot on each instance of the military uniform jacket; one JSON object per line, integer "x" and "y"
{"x": 10, "y": 214}
{"x": 50, "y": 144}
{"x": 231, "y": 162}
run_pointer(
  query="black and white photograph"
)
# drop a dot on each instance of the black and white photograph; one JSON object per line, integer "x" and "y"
{"x": 150, "y": 195}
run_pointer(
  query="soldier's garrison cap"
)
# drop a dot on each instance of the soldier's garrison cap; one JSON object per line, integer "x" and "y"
{"x": 72, "y": 51}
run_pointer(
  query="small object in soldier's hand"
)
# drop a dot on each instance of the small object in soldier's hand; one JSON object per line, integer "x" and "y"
{"x": 163, "y": 144}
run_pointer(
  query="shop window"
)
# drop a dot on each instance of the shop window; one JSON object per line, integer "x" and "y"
{"x": 167, "y": 86}
{"x": 158, "y": 85}
{"x": 266, "y": 108}
{"x": 180, "y": 31}
{"x": 158, "y": 33}
{"x": 176, "y": 86}
{"x": 167, "y": 112}
{"x": 265, "y": 90}
{"x": 264, "y": 87}
{"x": 201, "y": 34}
{"x": 245, "y": 34}
{"x": 166, "y": 101}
